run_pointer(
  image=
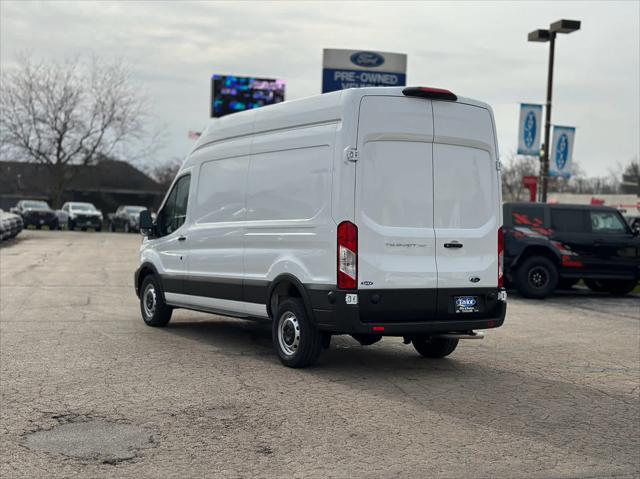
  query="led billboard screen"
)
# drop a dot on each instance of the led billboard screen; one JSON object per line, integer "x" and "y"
{"x": 231, "y": 94}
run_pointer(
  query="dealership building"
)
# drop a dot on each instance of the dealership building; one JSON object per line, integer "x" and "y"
{"x": 107, "y": 184}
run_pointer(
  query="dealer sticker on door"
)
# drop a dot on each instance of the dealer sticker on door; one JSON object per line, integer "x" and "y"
{"x": 466, "y": 304}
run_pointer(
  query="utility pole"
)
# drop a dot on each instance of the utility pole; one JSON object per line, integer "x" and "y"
{"x": 561, "y": 26}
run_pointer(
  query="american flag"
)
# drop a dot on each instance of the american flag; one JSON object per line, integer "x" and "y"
{"x": 194, "y": 135}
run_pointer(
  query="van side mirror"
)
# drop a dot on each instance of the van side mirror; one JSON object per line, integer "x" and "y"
{"x": 146, "y": 223}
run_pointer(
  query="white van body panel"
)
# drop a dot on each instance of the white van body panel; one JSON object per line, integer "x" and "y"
{"x": 466, "y": 192}
{"x": 291, "y": 168}
{"x": 269, "y": 188}
{"x": 394, "y": 194}
{"x": 168, "y": 254}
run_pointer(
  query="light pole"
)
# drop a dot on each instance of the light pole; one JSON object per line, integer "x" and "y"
{"x": 561, "y": 26}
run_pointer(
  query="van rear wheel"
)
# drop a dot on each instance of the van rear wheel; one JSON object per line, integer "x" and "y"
{"x": 296, "y": 339}
{"x": 430, "y": 347}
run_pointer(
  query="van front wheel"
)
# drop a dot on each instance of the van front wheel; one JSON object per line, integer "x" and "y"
{"x": 155, "y": 312}
{"x": 434, "y": 347}
{"x": 295, "y": 338}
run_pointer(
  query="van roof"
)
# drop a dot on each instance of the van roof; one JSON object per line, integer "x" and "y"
{"x": 324, "y": 108}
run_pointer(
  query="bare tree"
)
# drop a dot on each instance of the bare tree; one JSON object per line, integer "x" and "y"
{"x": 164, "y": 173}
{"x": 630, "y": 176}
{"x": 70, "y": 113}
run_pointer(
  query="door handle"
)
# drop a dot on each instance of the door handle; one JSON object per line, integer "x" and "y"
{"x": 453, "y": 244}
{"x": 182, "y": 238}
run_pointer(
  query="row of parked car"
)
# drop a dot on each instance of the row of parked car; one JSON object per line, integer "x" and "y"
{"x": 77, "y": 215}
{"x": 547, "y": 247}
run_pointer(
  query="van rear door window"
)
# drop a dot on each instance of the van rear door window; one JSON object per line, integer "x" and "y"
{"x": 396, "y": 184}
{"x": 464, "y": 191}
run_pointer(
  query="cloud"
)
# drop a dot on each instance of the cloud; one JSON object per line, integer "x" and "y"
{"x": 475, "y": 49}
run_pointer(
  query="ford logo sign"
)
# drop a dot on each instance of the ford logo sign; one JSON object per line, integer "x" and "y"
{"x": 466, "y": 302}
{"x": 367, "y": 59}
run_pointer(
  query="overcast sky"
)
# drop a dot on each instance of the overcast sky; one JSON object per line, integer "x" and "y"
{"x": 475, "y": 49}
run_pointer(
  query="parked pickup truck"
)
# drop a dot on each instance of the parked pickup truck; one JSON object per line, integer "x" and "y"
{"x": 555, "y": 246}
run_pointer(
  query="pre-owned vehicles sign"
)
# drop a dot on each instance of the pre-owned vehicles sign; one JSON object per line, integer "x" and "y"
{"x": 343, "y": 69}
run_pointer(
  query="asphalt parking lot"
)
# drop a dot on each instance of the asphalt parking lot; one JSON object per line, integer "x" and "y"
{"x": 88, "y": 390}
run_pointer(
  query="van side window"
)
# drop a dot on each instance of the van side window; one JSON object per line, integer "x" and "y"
{"x": 568, "y": 220}
{"x": 527, "y": 215}
{"x": 607, "y": 222}
{"x": 182, "y": 198}
{"x": 220, "y": 194}
{"x": 174, "y": 212}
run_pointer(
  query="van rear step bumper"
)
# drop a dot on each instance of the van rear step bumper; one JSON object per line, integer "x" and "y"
{"x": 467, "y": 335}
{"x": 419, "y": 311}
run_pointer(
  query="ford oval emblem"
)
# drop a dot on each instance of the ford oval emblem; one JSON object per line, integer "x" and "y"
{"x": 367, "y": 59}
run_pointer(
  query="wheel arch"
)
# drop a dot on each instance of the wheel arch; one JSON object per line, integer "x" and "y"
{"x": 143, "y": 271}
{"x": 538, "y": 250}
{"x": 287, "y": 285}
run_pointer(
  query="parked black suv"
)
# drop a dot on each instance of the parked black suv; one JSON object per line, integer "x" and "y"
{"x": 555, "y": 246}
{"x": 36, "y": 213}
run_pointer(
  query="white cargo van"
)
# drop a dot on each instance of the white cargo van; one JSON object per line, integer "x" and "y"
{"x": 371, "y": 212}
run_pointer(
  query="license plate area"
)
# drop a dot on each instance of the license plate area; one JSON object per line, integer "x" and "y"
{"x": 466, "y": 304}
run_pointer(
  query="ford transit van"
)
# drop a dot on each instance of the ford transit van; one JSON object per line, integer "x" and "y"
{"x": 371, "y": 212}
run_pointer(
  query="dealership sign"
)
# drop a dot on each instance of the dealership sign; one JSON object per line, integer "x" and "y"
{"x": 561, "y": 151}
{"x": 530, "y": 126}
{"x": 342, "y": 69}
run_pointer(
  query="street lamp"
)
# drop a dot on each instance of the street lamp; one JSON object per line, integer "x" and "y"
{"x": 561, "y": 26}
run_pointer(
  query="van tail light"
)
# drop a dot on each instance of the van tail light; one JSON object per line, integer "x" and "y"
{"x": 500, "y": 257}
{"x": 347, "y": 255}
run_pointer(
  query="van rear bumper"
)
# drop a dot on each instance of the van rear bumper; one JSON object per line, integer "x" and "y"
{"x": 412, "y": 315}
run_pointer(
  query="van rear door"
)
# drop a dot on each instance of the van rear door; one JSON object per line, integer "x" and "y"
{"x": 394, "y": 208}
{"x": 467, "y": 211}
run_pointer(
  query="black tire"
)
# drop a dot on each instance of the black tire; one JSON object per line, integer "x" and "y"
{"x": 617, "y": 287}
{"x": 537, "y": 277}
{"x": 567, "y": 283}
{"x": 98, "y": 228}
{"x": 434, "y": 347}
{"x": 155, "y": 312}
{"x": 296, "y": 339}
